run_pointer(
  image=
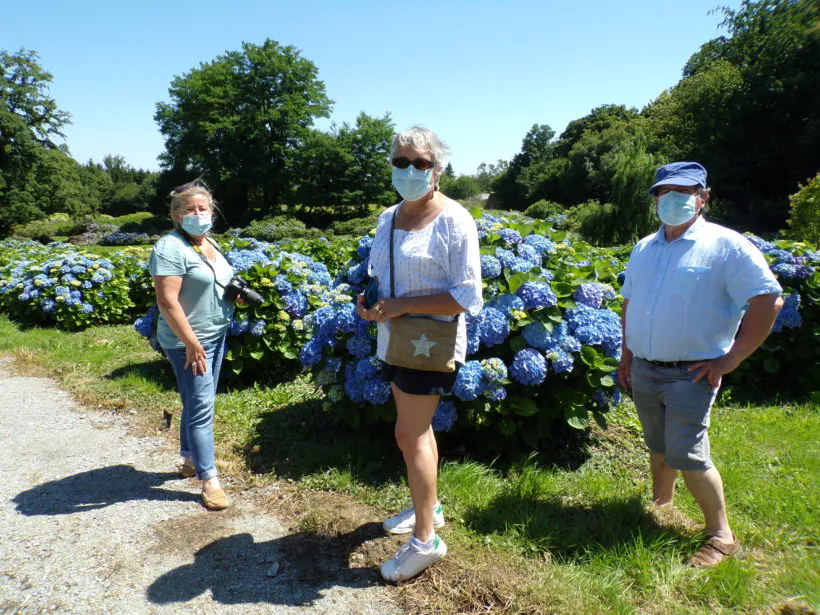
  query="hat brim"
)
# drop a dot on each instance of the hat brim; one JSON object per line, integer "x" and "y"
{"x": 675, "y": 181}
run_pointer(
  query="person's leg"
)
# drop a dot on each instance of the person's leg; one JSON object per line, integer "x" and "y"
{"x": 212, "y": 484}
{"x": 688, "y": 411}
{"x": 414, "y": 436}
{"x": 663, "y": 479}
{"x": 647, "y": 396}
{"x": 176, "y": 357}
{"x": 707, "y": 489}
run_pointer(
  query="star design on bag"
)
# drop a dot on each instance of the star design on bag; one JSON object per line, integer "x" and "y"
{"x": 423, "y": 346}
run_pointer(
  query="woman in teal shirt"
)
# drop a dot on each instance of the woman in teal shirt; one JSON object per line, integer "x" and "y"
{"x": 188, "y": 272}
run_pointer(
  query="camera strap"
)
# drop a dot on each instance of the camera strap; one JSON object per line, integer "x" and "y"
{"x": 199, "y": 251}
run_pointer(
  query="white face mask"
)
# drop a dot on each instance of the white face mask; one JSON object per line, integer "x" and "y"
{"x": 197, "y": 225}
{"x": 676, "y": 208}
{"x": 411, "y": 183}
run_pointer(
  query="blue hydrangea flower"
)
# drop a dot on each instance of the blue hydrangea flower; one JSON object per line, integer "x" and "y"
{"x": 506, "y": 304}
{"x": 445, "y": 416}
{"x": 529, "y": 254}
{"x": 48, "y": 305}
{"x": 468, "y": 381}
{"x": 537, "y": 295}
{"x": 510, "y": 236}
{"x": 493, "y": 327}
{"x": 376, "y": 391}
{"x": 257, "y": 329}
{"x": 359, "y": 346}
{"x": 560, "y": 360}
{"x": 311, "y": 352}
{"x": 506, "y": 257}
{"x": 540, "y": 243}
{"x": 357, "y": 273}
{"x": 789, "y": 316}
{"x": 296, "y": 304}
{"x": 333, "y": 364}
{"x": 537, "y": 335}
{"x": 346, "y": 318}
{"x": 529, "y": 367}
{"x": 593, "y": 294}
{"x": 490, "y": 267}
{"x": 364, "y": 246}
{"x": 367, "y": 368}
{"x": 473, "y": 340}
{"x": 495, "y": 392}
{"x": 494, "y": 370}
{"x": 281, "y": 283}
{"x": 238, "y": 327}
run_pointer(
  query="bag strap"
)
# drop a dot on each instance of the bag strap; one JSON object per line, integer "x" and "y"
{"x": 198, "y": 250}
{"x": 392, "y": 277}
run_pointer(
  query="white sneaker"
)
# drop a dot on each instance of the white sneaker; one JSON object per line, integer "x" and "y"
{"x": 405, "y": 521}
{"x": 410, "y": 560}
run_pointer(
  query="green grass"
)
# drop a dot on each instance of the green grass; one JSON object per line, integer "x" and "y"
{"x": 526, "y": 535}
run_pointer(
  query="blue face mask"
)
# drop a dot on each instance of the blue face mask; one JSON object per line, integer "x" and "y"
{"x": 197, "y": 225}
{"x": 676, "y": 208}
{"x": 411, "y": 183}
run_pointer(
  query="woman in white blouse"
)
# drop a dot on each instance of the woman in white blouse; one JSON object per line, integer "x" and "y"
{"x": 438, "y": 273}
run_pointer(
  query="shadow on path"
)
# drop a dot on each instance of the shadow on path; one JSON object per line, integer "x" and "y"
{"x": 97, "y": 489}
{"x": 235, "y": 569}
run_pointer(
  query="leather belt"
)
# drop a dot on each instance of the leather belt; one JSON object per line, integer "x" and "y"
{"x": 670, "y": 363}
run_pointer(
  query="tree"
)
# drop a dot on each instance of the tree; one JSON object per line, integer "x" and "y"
{"x": 536, "y": 149}
{"x": 238, "y": 121}
{"x": 486, "y": 173}
{"x": 29, "y": 120}
{"x": 344, "y": 170}
{"x": 748, "y": 107}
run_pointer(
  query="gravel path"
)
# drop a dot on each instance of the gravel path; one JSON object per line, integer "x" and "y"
{"x": 93, "y": 521}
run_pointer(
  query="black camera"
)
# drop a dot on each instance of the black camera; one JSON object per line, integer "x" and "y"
{"x": 238, "y": 287}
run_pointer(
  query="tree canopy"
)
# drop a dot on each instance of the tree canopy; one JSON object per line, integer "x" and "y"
{"x": 239, "y": 121}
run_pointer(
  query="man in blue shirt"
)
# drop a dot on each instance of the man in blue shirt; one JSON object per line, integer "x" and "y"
{"x": 688, "y": 289}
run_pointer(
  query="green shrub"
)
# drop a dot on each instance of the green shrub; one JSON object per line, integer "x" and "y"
{"x": 544, "y": 209}
{"x": 355, "y": 226}
{"x": 804, "y": 214}
{"x": 143, "y": 222}
{"x": 276, "y": 228}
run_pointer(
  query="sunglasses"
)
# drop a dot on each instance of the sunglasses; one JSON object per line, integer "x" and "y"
{"x": 421, "y": 164}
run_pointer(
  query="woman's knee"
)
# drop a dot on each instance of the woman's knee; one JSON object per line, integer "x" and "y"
{"x": 411, "y": 440}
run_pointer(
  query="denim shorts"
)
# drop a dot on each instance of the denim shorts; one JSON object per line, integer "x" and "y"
{"x": 674, "y": 413}
{"x": 420, "y": 382}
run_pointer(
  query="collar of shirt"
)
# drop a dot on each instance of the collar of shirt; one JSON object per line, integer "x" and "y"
{"x": 691, "y": 233}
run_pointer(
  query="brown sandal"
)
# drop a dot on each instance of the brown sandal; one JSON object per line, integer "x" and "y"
{"x": 715, "y": 551}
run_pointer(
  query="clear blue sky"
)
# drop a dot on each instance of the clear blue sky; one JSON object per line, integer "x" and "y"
{"x": 478, "y": 73}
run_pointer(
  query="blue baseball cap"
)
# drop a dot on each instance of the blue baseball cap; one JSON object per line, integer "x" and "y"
{"x": 680, "y": 174}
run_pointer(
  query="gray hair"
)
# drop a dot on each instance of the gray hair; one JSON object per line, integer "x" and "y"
{"x": 422, "y": 140}
{"x": 181, "y": 194}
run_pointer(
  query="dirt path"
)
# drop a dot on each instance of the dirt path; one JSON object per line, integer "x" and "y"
{"x": 93, "y": 521}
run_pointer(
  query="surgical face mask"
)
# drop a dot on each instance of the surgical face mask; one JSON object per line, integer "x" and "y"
{"x": 197, "y": 225}
{"x": 676, "y": 208}
{"x": 411, "y": 183}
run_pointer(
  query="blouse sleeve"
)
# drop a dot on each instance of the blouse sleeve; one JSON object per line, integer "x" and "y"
{"x": 465, "y": 265}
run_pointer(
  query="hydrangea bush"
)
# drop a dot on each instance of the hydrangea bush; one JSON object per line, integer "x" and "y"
{"x": 58, "y": 285}
{"x": 544, "y": 347}
{"x": 787, "y": 362}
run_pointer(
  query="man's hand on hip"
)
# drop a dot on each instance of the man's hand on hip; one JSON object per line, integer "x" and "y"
{"x": 714, "y": 369}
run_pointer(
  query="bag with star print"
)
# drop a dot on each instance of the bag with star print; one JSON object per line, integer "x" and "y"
{"x": 422, "y": 343}
{"x": 417, "y": 342}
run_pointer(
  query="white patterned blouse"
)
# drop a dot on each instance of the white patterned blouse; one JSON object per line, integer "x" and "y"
{"x": 442, "y": 257}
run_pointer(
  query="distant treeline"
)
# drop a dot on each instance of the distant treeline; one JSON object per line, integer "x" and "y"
{"x": 746, "y": 107}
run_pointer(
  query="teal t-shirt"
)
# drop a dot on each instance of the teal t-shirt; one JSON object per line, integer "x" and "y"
{"x": 202, "y": 301}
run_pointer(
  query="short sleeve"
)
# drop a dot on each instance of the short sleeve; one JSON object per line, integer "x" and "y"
{"x": 748, "y": 274}
{"x": 465, "y": 265}
{"x": 626, "y": 289}
{"x": 167, "y": 258}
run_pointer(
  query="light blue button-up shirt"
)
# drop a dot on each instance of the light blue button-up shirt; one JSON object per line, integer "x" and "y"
{"x": 687, "y": 297}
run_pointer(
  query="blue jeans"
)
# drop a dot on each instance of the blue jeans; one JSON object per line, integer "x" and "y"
{"x": 198, "y": 393}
